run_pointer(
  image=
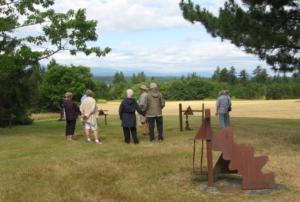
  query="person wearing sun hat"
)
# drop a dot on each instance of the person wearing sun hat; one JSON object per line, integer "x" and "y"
{"x": 142, "y": 103}
{"x": 154, "y": 105}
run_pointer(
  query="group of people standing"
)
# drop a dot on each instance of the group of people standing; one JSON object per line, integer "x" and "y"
{"x": 149, "y": 106}
{"x": 89, "y": 113}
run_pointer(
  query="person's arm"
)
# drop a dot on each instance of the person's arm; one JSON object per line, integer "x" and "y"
{"x": 217, "y": 107}
{"x": 162, "y": 100}
{"x": 120, "y": 110}
{"x": 143, "y": 102}
{"x": 76, "y": 108}
{"x": 138, "y": 109}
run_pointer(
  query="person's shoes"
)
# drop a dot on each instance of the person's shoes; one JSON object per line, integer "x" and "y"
{"x": 98, "y": 142}
{"x": 160, "y": 140}
{"x": 88, "y": 140}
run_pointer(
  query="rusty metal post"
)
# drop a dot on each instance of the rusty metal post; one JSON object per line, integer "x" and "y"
{"x": 201, "y": 158}
{"x": 180, "y": 117}
{"x": 194, "y": 153}
{"x": 202, "y": 111}
{"x": 209, "y": 163}
{"x": 210, "y": 173}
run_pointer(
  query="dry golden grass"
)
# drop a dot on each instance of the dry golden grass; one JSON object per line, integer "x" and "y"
{"x": 45, "y": 116}
{"x": 286, "y": 109}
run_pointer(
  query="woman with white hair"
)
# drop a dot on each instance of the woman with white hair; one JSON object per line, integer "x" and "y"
{"x": 127, "y": 110}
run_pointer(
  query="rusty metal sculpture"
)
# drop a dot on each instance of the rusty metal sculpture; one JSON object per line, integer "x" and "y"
{"x": 187, "y": 113}
{"x": 235, "y": 158}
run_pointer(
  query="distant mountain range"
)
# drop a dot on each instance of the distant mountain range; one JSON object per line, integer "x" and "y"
{"x": 108, "y": 71}
{"x": 108, "y": 79}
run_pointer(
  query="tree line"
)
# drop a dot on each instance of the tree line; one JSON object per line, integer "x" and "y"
{"x": 56, "y": 79}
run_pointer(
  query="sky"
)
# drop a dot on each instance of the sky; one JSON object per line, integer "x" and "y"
{"x": 152, "y": 36}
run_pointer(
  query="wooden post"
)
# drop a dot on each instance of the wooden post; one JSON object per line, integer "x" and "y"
{"x": 105, "y": 119}
{"x": 180, "y": 117}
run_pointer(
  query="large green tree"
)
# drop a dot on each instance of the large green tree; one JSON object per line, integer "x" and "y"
{"x": 59, "y": 79}
{"x": 21, "y": 50}
{"x": 267, "y": 28}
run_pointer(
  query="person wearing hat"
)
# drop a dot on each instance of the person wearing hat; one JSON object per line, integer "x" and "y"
{"x": 127, "y": 110}
{"x": 72, "y": 112}
{"x": 142, "y": 104}
{"x": 89, "y": 111}
{"x": 154, "y": 105}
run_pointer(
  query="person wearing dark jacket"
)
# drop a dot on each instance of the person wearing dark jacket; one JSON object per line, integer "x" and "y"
{"x": 72, "y": 111}
{"x": 127, "y": 115}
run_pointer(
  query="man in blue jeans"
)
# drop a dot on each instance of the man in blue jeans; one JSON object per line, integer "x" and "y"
{"x": 153, "y": 107}
{"x": 222, "y": 106}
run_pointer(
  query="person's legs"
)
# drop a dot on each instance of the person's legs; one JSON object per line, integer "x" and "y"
{"x": 222, "y": 120}
{"x": 87, "y": 128}
{"x": 96, "y": 134}
{"x": 159, "y": 125}
{"x": 87, "y": 135}
{"x": 68, "y": 129}
{"x": 126, "y": 132}
{"x": 144, "y": 128}
{"x": 150, "y": 121}
{"x": 226, "y": 120}
{"x": 134, "y": 135}
{"x": 72, "y": 129}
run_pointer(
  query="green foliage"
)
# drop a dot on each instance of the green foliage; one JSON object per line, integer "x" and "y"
{"x": 249, "y": 91}
{"x": 193, "y": 88}
{"x": 268, "y": 29}
{"x": 119, "y": 78}
{"x": 16, "y": 95}
{"x": 19, "y": 76}
{"x": 139, "y": 78}
{"x": 59, "y": 79}
{"x": 260, "y": 75}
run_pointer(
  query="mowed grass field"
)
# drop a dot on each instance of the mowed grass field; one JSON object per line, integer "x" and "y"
{"x": 37, "y": 164}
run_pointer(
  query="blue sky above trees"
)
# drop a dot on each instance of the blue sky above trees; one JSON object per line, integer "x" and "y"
{"x": 152, "y": 36}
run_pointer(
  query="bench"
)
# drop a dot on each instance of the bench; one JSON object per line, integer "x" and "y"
{"x": 104, "y": 113}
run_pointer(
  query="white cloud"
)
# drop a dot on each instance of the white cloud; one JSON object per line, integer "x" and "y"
{"x": 129, "y": 15}
{"x": 180, "y": 57}
{"x": 187, "y": 53}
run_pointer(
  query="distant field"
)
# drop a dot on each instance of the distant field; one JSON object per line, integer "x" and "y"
{"x": 286, "y": 109}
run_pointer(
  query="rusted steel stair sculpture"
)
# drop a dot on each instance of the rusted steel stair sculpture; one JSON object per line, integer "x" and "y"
{"x": 235, "y": 158}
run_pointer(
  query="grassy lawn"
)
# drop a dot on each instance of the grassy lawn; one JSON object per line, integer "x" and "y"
{"x": 37, "y": 164}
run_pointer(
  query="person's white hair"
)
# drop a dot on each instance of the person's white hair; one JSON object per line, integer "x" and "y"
{"x": 129, "y": 93}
